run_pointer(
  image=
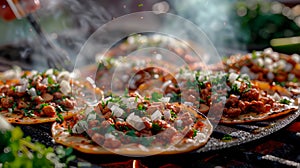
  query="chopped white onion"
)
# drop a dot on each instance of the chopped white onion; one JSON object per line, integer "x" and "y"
{"x": 32, "y": 92}
{"x": 281, "y": 64}
{"x": 291, "y": 76}
{"x": 268, "y": 61}
{"x": 80, "y": 127}
{"x": 110, "y": 104}
{"x": 288, "y": 67}
{"x": 167, "y": 114}
{"x": 270, "y": 75}
{"x": 260, "y": 62}
{"x": 232, "y": 77}
{"x": 188, "y": 103}
{"x": 276, "y": 96}
{"x": 135, "y": 121}
{"x": 65, "y": 87}
{"x": 245, "y": 70}
{"x": 275, "y": 56}
{"x": 106, "y": 99}
{"x": 20, "y": 88}
{"x": 64, "y": 75}
{"x": 296, "y": 58}
{"x": 109, "y": 136}
{"x": 129, "y": 102}
{"x": 91, "y": 116}
{"x": 117, "y": 111}
{"x": 164, "y": 99}
{"x": 268, "y": 51}
{"x": 45, "y": 81}
{"x": 156, "y": 115}
{"x": 237, "y": 83}
{"x": 49, "y": 72}
{"x": 179, "y": 123}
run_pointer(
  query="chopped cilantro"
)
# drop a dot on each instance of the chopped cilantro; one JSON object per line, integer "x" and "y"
{"x": 14, "y": 106}
{"x": 235, "y": 89}
{"x": 284, "y": 101}
{"x": 156, "y": 128}
{"x": 43, "y": 105}
{"x": 194, "y": 132}
{"x": 146, "y": 141}
{"x": 181, "y": 71}
{"x": 201, "y": 100}
{"x": 38, "y": 92}
{"x": 28, "y": 113}
{"x": 155, "y": 97}
{"x": 141, "y": 107}
{"x": 13, "y": 88}
{"x": 59, "y": 109}
{"x": 111, "y": 128}
{"x": 59, "y": 118}
{"x": 280, "y": 83}
{"x": 191, "y": 84}
{"x": 295, "y": 80}
{"x": 55, "y": 87}
{"x": 254, "y": 55}
{"x": 227, "y": 137}
{"x": 126, "y": 93}
{"x": 50, "y": 80}
{"x": 55, "y": 72}
{"x": 131, "y": 133}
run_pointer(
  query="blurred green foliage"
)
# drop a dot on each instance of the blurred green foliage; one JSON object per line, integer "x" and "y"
{"x": 261, "y": 21}
{"x": 17, "y": 151}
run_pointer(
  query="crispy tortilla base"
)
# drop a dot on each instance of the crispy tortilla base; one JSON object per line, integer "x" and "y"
{"x": 253, "y": 117}
{"x": 14, "y": 118}
{"x": 85, "y": 145}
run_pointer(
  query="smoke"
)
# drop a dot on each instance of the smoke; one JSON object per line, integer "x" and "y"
{"x": 217, "y": 19}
